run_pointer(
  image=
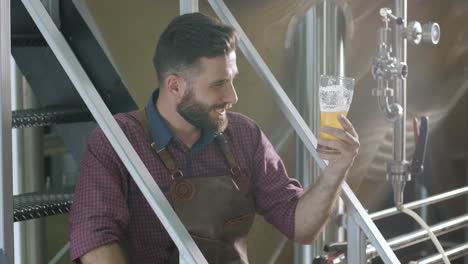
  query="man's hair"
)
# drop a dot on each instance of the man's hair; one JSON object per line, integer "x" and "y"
{"x": 188, "y": 38}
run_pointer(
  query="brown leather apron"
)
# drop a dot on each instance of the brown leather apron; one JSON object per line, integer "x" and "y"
{"x": 217, "y": 211}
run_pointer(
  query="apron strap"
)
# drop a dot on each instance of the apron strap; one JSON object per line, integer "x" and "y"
{"x": 234, "y": 168}
{"x": 240, "y": 181}
{"x": 163, "y": 153}
{"x": 169, "y": 163}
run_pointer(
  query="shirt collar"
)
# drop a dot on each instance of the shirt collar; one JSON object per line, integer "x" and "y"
{"x": 162, "y": 135}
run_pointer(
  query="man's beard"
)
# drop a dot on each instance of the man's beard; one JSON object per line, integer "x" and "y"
{"x": 198, "y": 114}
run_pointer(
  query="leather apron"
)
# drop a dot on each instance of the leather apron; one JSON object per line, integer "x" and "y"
{"x": 218, "y": 211}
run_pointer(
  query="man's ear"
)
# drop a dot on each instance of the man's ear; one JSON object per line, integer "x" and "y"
{"x": 175, "y": 85}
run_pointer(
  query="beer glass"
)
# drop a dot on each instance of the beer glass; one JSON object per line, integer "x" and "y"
{"x": 335, "y": 96}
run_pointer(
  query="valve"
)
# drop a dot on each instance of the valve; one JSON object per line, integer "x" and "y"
{"x": 431, "y": 33}
{"x": 428, "y": 33}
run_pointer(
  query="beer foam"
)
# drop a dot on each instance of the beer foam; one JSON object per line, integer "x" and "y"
{"x": 335, "y": 98}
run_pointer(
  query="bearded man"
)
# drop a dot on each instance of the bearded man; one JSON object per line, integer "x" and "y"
{"x": 216, "y": 168}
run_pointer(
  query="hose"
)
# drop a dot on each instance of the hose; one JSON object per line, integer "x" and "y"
{"x": 434, "y": 239}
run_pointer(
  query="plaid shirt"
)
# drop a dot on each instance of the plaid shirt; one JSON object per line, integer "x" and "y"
{"x": 108, "y": 205}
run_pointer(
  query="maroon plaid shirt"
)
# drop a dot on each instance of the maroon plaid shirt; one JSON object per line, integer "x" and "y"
{"x": 108, "y": 205}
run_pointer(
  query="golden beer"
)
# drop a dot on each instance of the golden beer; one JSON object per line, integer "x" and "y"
{"x": 335, "y": 94}
{"x": 330, "y": 119}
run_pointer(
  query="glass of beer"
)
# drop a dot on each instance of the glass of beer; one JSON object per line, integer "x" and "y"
{"x": 336, "y": 94}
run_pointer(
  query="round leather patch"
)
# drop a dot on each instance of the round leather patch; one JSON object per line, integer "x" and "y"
{"x": 183, "y": 189}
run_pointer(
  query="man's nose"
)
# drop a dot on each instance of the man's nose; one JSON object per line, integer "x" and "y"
{"x": 230, "y": 96}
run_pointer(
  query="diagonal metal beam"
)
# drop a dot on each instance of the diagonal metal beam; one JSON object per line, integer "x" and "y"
{"x": 188, "y": 6}
{"x": 113, "y": 132}
{"x": 355, "y": 208}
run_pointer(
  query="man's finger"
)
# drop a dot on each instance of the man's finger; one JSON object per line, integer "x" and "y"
{"x": 347, "y": 125}
{"x": 339, "y": 145}
{"x": 329, "y": 156}
{"x": 340, "y": 134}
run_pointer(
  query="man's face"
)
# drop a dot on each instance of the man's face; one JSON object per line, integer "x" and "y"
{"x": 210, "y": 92}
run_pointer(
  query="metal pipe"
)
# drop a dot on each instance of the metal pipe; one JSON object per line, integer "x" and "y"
{"x": 354, "y": 207}
{"x": 33, "y": 168}
{"x": 452, "y": 254}
{"x": 356, "y": 251}
{"x": 320, "y": 47}
{"x": 418, "y": 236}
{"x": 399, "y": 141}
{"x": 333, "y": 58}
{"x": 18, "y": 152}
{"x": 308, "y": 39}
{"x": 6, "y": 179}
{"x": 421, "y": 235}
{"x": 384, "y": 106}
{"x": 398, "y": 169}
{"x": 416, "y": 204}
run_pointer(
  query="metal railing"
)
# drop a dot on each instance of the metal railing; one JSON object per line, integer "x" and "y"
{"x": 452, "y": 254}
{"x": 416, "y": 204}
{"x": 418, "y": 236}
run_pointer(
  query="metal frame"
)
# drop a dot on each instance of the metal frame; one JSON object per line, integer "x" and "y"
{"x": 356, "y": 211}
{"x": 59, "y": 255}
{"x": 356, "y": 247}
{"x": 321, "y": 51}
{"x": 310, "y": 46}
{"x": 6, "y": 177}
{"x": 188, "y": 6}
{"x": 418, "y": 236}
{"x": 416, "y": 204}
{"x": 113, "y": 132}
{"x": 421, "y": 235}
{"x": 452, "y": 253}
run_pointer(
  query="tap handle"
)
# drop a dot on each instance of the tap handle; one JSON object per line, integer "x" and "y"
{"x": 420, "y": 136}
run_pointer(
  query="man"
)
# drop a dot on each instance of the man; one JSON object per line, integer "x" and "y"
{"x": 216, "y": 168}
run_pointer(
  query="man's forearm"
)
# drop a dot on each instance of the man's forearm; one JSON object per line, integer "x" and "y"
{"x": 110, "y": 253}
{"x": 316, "y": 205}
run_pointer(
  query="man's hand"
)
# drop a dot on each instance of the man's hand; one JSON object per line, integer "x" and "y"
{"x": 345, "y": 146}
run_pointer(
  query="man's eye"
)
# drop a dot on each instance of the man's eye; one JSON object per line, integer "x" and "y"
{"x": 219, "y": 84}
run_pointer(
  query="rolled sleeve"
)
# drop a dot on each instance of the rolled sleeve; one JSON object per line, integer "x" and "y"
{"x": 99, "y": 213}
{"x": 276, "y": 195}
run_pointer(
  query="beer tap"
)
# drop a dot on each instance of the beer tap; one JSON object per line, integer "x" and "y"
{"x": 390, "y": 70}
